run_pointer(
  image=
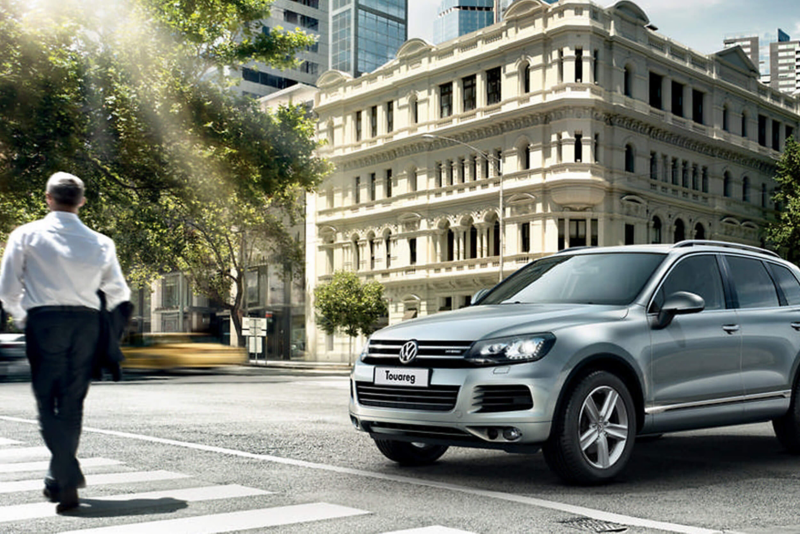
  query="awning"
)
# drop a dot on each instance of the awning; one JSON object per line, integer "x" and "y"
{"x": 409, "y": 314}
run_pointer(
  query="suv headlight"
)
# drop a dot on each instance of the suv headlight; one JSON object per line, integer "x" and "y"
{"x": 512, "y": 349}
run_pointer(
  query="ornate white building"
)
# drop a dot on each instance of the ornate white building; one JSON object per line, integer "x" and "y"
{"x": 563, "y": 125}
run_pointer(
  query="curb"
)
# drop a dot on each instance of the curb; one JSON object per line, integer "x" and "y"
{"x": 289, "y": 364}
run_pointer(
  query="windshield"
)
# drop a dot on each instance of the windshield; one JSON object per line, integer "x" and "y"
{"x": 614, "y": 278}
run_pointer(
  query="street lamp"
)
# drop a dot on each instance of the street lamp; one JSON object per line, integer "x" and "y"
{"x": 489, "y": 159}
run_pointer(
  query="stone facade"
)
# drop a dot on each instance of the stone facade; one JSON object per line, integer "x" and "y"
{"x": 563, "y": 125}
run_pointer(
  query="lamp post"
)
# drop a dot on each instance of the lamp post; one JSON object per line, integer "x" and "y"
{"x": 489, "y": 159}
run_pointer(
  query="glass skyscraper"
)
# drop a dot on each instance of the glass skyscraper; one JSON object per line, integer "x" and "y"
{"x": 365, "y": 34}
{"x": 459, "y": 17}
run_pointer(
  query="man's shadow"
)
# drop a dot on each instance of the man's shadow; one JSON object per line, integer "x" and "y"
{"x": 120, "y": 508}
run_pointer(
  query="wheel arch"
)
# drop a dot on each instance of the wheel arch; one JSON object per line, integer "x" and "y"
{"x": 611, "y": 363}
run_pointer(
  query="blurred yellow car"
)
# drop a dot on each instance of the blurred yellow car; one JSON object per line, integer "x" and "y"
{"x": 178, "y": 350}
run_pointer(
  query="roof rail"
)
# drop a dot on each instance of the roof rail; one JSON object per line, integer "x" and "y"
{"x": 572, "y": 249}
{"x": 696, "y": 242}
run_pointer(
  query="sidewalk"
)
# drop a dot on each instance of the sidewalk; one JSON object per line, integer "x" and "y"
{"x": 302, "y": 364}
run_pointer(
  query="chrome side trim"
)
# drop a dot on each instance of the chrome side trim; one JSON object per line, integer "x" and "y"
{"x": 714, "y": 402}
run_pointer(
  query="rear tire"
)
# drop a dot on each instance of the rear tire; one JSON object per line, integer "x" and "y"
{"x": 407, "y": 453}
{"x": 787, "y": 427}
{"x": 594, "y": 431}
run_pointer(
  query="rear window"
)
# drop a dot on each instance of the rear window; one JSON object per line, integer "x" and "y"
{"x": 788, "y": 284}
{"x": 752, "y": 283}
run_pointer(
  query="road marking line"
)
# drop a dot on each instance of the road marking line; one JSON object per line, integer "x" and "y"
{"x": 233, "y": 521}
{"x": 532, "y": 501}
{"x": 6, "y": 441}
{"x": 128, "y": 501}
{"x": 23, "y": 452}
{"x": 97, "y": 480}
{"x": 43, "y": 466}
{"x": 430, "y": 530}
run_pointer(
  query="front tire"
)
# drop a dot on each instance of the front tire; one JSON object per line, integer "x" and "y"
{"x": 594, "y": 432}
{"x": 407, "y": 453}
{"x": 787, "y": 427}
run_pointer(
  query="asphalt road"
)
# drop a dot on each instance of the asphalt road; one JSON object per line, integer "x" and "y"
{"x": 263, "y": 450}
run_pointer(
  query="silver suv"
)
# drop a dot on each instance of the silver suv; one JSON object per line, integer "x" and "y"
{"x": 580, "y": 352}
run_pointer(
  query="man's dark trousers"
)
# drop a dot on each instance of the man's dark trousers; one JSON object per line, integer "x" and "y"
{"x": 61, "y": 343}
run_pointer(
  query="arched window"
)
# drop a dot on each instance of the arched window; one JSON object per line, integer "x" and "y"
{"x": 725, "y": 125}
{"x": 371, "y": 244}
{"x": 699, "y": 231}
{"x": 524, "y": 155}
{"x": 630, "y": 162}
{"x": 627, "y": 82}
{"x": 387, "y": 241}
{"x": 656, "y": 230}
{"x": 526, "y": 78}
{"x": 473, "y": 242}
{"x": 746, "y": 189}
{"x": 680, "y": 231}
{"x": 451, "y": 240}
{"x": 726, "y": 184}
{"x": 413, "y": 110}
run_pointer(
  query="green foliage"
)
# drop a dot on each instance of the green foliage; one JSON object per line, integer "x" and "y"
{"x": 348, "y": 305}
{"x": 130, "y": 96}
{"x": 785, "y": 234}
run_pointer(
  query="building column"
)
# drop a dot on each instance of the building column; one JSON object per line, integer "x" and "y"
{"x": 458, "y": 100}
{"x": 666, "y": 93}
{"x": 480, "y": 89}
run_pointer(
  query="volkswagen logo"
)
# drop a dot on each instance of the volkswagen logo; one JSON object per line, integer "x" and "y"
{"x": 409, "y": 351}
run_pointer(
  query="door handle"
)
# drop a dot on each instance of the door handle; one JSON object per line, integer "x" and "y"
{"x": 796, "y": 326}
{"x": 731, "y": 328}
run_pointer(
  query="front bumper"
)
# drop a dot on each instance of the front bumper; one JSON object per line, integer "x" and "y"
{"x": 466, "y": 423}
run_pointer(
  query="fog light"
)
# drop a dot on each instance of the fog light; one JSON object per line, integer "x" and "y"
{"x": 512, "y": 434}
{"x": 492, "y": 433}
{"x": 355, "y": 422}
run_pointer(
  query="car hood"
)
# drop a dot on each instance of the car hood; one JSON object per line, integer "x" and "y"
{"x": 497, "y": 320}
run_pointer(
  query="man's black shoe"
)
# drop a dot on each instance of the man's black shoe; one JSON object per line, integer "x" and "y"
{"x": 50, "y": 493}
{"x": 68, "y": 500}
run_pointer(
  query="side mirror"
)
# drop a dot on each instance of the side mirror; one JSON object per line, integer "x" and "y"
{"x": 478, "y": 296}
{"x": 679, "y": 303}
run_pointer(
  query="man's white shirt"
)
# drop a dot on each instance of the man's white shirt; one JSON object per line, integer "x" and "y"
{"x": 59, "y": 261}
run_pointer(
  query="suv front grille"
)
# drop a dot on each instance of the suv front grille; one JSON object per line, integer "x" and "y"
{"x": 430, "y": 353}
{"x": 502, "y": 398}
{"x": 433, "y": 398}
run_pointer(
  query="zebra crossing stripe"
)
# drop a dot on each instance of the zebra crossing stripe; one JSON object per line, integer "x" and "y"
{"x": 42, "y": 466}
{"x": 6, "y": 441}
{"x": 131, "y": 501}
{"x": 430, "y": 530}
{"x": 23, "y": 452}
{"x": 96, "y": 480}
{"x": 234, "y": 521}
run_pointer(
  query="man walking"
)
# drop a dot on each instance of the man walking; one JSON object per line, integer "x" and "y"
{"x": 49, "y": 277}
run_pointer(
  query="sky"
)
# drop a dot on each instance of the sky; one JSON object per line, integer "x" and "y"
{"x": 699, "y": 24}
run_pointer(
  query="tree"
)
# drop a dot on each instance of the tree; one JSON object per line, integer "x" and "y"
{"x": 785, "y": 233}
{"x": 347, "y": 304}
{"x": 131, "y": 96}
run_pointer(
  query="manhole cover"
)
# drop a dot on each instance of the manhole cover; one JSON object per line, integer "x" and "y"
{"x": 594, "y": 525}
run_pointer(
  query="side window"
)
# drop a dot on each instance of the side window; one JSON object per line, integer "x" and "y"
{"x": 788, "y": 284}
{"x": 752, "y": 283}
{"x": 696, "y": 274}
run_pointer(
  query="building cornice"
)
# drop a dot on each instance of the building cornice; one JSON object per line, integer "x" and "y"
{"x": 477, "y": 133}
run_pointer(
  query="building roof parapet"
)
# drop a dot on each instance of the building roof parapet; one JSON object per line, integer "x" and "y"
{"x": 624, "y": 21}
